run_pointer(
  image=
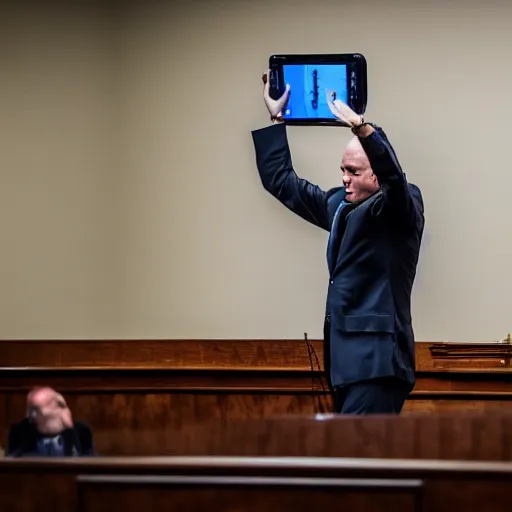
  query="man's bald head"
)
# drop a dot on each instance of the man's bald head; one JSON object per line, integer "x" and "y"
{"x": 354, "y": 150}
{"x": 38, "y": 394}
{"x": 48, "y": 410}
{"x": 358, "y": 178}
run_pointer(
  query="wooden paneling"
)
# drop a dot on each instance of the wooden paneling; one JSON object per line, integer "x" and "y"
{"x": 471, "y": 355}
{"x": 251, "y": 494}
{"x": 177, "y": 379}
{"x": 443, "y": 371}
{"x": 468, "y": 436}
{"x": 170, "y": 354}
{"x": 38, "y": 491}
{"x": 229, "y": 354}
{"x": 4, "y": 422}
{"x": 151, "y": 423}
{"x": 181, "y": 424}
{"x": 439, "y": 384}
{"x": 136, "y": 423}
{"x": 249, "y": 484}
{"x": 134, "y": 392}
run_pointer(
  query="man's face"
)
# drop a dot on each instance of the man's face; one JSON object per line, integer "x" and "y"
{"x": 49, "y": 412}
{"x": 358, "y": 178}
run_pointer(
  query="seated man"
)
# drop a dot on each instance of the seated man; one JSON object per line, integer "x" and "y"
{"x": 48, "y": 430}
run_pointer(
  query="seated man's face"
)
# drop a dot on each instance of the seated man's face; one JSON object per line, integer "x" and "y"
{"x": 49, "y": 412}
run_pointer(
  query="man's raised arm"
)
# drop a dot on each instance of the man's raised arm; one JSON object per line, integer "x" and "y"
{"x": 401, "y": 198}
{"x": 278, "y": 177}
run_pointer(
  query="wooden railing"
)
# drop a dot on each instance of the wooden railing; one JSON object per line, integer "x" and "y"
{"x": 253, "y": 484}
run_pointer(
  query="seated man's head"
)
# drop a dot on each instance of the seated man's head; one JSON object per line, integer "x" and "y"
{"x": 48, "y": 411}
{"x": 358, "y": 178}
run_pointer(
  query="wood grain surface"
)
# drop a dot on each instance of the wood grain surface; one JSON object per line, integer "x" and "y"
{"x": 250, "y": 484}
{"x": 136, "y": 394}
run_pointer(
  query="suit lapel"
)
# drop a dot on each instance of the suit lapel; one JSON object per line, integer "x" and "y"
{"x": 335, "y": 237}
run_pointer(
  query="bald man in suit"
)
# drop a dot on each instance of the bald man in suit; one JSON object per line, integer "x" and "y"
{"x": 375, "y": 219}
{"x": 49, "y": 429}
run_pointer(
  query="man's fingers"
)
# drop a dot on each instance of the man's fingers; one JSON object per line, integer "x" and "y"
{"x": 330, "y": 95}
{"x": 339, "y": 104}
{"x": 284, "y": 98}
{"x": 281, "y": 102}
{"x": 266, "y": 82}
{"x": 67, "y": 418}
{"x": 335, "y": 112}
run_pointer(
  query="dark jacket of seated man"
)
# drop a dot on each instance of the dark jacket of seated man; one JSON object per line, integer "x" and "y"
{"x": 49, "y": 430}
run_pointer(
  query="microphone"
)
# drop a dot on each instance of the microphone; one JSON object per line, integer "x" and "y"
{"x": 311, "y": 351}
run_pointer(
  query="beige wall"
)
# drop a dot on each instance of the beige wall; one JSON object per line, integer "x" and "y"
{"x": 130, "y": 201}
{"x": 57, "y": 180}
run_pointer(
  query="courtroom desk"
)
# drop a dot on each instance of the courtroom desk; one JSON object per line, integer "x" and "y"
{"x": 252, "y": 484}
{"x": 443, "y": 436}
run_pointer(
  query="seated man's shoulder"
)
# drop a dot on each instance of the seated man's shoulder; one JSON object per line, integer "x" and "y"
{"x": 20, "y": 438}
{"x": 82, "y": 429}
{"x": 80, "y": 425}
{"x": 85, "y": 437}
{"x": 20, "y": 427}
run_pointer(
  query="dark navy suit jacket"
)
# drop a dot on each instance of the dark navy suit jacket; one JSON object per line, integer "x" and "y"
{"x": 23, "y": 436}
{"x": 372, "y": 255}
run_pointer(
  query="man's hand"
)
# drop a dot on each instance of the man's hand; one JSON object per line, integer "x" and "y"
{"x": 347, "y": 116}
{"x": 275, "y": 107}
{"x": 48, "y": 411}
{"x": 342, "y": 111}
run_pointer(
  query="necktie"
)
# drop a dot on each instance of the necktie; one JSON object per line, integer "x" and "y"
{"x": 334, "y": 238}
{"x": 52, "y": 447}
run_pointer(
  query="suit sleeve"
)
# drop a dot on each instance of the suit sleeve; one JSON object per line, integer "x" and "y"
{"x": 278, "y": 177}
{"x": 402, "y": 199}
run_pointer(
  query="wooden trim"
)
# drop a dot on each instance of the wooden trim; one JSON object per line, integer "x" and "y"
{"x": 169, "y": 354}
{"x": 429, "y": 385}
{"x": 163, "y": 380}
{"x": 454, "y": 371}
{"x": 181, "y": 481}
{"x": 91, "y": 484}
{"x": 469, "y": 350}
{"x": 230, "y": 465}
{"x": 231, "y": 354}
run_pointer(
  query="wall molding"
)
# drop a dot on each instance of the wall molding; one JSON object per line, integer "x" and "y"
{"x": 230, "y": 354}
{"x": 445, "y": 371}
